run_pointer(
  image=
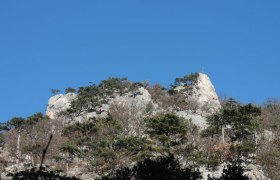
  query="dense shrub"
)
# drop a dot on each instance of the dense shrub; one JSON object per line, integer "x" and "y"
{"x": 164, "y": 168}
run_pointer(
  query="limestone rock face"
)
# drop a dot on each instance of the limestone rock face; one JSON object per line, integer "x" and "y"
{"x": 198, "y": 119}
{"x": 203, "y": 94}
{"x": 137, "y": 104}
{"x": 254, "y": 172}
{"x": 139, "y": 101}
{"x": 59, "y": 103}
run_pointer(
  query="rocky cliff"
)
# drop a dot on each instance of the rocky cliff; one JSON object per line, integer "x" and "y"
{"x": 205, "y": 98}
{"x": 203, "y": 95}
{"x": 59, "y": 103}
{"x": 127, "y": 105}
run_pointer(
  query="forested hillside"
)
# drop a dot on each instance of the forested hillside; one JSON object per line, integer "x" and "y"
{"x": 120, "y": 129}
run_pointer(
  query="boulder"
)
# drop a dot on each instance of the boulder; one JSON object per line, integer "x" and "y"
{"x": 59, "y": 103}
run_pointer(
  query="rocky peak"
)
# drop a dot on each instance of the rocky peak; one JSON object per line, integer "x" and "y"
{"x": 198, "y": 89}
{"x": 59, "y": 103}
{"x": 204, "y": 93}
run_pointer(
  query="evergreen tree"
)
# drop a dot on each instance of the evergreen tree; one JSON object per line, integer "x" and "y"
{"x": 240, "y": 123}
{"x": 163, "y": 168}
{"x": 169, "y": 129}
{"x": 70, "y": 90}
{"x": 234, "y": 171}
{"x": 17, "y": 123}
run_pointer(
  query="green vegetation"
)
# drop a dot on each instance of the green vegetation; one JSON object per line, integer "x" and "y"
{"x": 105, "y": 145}
{"x": 268, "y": 150}
{"x": 16, "y": 122}
{"x": 169, "y": 129}
{"x": 41, "y": 173}
{"x": 237, "y": 123}
{"x": 165, "y": 168}
{"x": 97, "y": 137}
{"x": 132, "y": 145}
{"x": 34, "y": 118}
{"x": 3, "y": 129}
{"x": 27, "y": 136}
{"x": 149, "y": 142}
{"x": 187, "y": 80}
{"x": 70, "y": 90}
{"x": 234, "y": 171}
{"x": 55, "y": 91}
{"x": 91, "y": 98}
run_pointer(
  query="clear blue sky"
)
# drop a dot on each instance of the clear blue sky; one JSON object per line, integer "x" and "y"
{"x": 58, "y": 44}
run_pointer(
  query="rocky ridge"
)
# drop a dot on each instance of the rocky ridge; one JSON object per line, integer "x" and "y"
{"x": 202, "y": 95}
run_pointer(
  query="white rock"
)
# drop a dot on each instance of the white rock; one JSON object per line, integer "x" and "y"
{"x": 204, "y": 93}
{"x": 18, "y": 167}
{"x": 268, "y": 135}
{"x": 139, "y": 101}
{"x": 254, "y": 172}
{"x": 59, "y": 103}
{"x": 214, "y": 174}
{"x": 197, "y": 119}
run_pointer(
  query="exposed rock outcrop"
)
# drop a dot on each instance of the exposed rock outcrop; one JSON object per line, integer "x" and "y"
{"x": 59, "y": 103}
{"x": 253, "y": 172}
{"x": 204, "y": 96}
{"x": 136, "y": 103}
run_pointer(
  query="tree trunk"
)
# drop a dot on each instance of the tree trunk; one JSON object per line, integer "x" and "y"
{"x": 67, "y": 167}
{"x": 223, "y": 134}
{"x": 256, "y": 137}
{"x": 194, "y": 143}
{"x": 18, "y": 154}
{"x": 67, "y": 163}
{"x": 32, "y": 159}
